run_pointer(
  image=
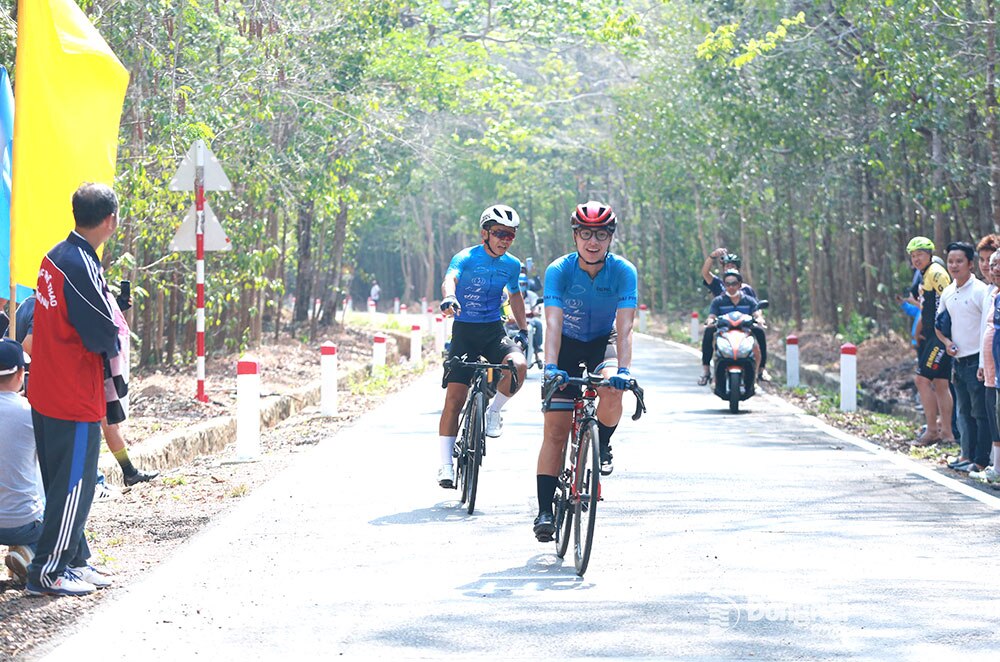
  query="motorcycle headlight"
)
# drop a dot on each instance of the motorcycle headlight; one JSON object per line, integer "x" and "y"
{"x": 746, "y": 346}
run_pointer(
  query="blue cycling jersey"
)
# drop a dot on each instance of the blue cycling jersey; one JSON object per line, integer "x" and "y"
{"x": 589, "y": 304}
{"x": 481, "y": 279}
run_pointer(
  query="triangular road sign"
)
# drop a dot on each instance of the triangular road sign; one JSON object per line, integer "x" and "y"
{"x": 215, "y": 176}
{"x": 215, "y": 236}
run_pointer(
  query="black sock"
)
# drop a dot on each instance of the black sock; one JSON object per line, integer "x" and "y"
{"x": 125, "y": 463}
{"x": 546, "y": 490}
{"x": 604, "y": 433}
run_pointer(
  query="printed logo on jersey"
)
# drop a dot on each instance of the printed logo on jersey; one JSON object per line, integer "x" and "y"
{"x": 574, "y": 303}
{"x": 479, "y": 281}
{"x": 46, "y": 297}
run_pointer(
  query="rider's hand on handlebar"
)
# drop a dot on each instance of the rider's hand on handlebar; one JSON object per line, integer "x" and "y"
{"x": 621, "y": 380}
{"x": 552, "y": 372}
{"x": 449, "y": 306}
{"x": 522, "y": 340}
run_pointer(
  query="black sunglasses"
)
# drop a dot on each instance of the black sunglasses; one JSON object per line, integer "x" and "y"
{"x": 732, "y": 282}
{"x": 503, "y": 235}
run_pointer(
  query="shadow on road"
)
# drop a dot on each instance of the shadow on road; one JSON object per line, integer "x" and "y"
{"x": 448, "y": 511}
{"x": 542, "y": 572}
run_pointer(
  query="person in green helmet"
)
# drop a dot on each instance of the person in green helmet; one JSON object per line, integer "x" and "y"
{"x": 933, "y": 364}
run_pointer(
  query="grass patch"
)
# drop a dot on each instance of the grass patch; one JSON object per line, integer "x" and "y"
{"x": 174, "y": 481}
{"x": 379, "y": 383}
{"x": 239, "y": 491}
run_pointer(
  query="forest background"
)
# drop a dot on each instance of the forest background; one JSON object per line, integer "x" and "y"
{"x": 364, "y": 137}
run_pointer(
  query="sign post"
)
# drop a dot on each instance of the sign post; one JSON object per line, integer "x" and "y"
{"x": 199, "y": 172}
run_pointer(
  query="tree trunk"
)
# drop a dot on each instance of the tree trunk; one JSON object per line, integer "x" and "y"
{"x": 992, "y": 122}
{"x": 304, "y": 277}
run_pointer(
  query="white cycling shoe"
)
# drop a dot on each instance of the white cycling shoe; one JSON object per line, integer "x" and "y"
{"x": 494, "y": 423}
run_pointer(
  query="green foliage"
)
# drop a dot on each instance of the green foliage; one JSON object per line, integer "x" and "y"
{"x": 858, "y": 329}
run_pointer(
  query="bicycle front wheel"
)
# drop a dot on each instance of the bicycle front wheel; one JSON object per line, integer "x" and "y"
{"x": 563, "y": 504}
{"x": 588, "y": 487}
{"x": 477, "y": 440}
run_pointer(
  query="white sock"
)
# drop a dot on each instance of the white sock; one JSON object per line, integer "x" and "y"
{"x": 996, "y": 458}
{"x": 447, "y": 448}
{"x": 499, "y": 400}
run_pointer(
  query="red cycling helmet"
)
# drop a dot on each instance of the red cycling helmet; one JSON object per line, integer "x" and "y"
{"x": 594, "y": 214}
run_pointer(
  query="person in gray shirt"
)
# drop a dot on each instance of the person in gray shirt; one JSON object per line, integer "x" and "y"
{"x": 21, "y": 501}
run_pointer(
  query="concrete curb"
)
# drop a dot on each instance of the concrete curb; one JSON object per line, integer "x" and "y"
{"x": 173, "y": 449}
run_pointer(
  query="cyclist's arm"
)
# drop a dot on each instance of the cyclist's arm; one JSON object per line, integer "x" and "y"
{"x": 448, "y": 286}
{"x": 553, "y": 335}
{"x": 624, "y": 321}
{"x": 516, "y": 301}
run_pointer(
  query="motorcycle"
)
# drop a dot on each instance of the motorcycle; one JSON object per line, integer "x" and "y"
{"x": 735, "y": 363}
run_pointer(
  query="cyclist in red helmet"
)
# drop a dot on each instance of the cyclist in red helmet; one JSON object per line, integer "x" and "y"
{"x": 590, "y": 301}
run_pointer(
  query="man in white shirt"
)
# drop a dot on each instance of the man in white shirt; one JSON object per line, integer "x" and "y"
{"x": 963, "y": 301}
{"x": 21, "y": 503}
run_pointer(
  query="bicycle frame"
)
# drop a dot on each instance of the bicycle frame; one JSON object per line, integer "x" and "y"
{"x": 584, "y": 410}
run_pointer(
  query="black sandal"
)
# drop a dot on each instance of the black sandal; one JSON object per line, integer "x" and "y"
{"x": 704, "y": 379}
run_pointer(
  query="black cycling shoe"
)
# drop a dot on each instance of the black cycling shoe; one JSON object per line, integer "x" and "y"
{"x": 606, "y": 465}
{"x": 140, "y": 477}
{"x": 545, "y": 527}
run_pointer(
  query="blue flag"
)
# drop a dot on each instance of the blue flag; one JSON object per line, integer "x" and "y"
{"x": 6, "y": 141}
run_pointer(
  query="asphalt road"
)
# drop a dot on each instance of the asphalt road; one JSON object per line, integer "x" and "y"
{"x": 762, "y": 535}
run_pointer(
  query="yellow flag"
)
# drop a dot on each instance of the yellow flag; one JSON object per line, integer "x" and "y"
{"x": 68, "y": 93}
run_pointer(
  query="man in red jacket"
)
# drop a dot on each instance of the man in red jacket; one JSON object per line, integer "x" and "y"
{"x": 74, "y": 336}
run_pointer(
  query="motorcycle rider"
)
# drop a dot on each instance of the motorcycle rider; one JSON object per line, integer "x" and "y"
{"x": 730, "y": 261}
{"x": 735, "y": 298}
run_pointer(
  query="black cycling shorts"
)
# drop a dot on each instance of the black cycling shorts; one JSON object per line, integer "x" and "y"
{"x": 597, "y": 354}
{"x": 934, "y": 362}
{"x": 487, "y": 340}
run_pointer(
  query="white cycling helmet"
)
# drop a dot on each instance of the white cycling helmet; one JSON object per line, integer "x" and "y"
{"x": 500, "y": 215}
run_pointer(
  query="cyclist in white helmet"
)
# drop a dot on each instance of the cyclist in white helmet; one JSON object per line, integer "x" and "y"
{"x": 472, "y": 291}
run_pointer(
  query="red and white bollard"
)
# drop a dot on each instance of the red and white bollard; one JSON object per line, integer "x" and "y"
{"x": 378, "y": 352}
{"x": 430, "y": 318}
{"x": 402, "y": 311}
{"x": 792, "y": 360}
{"x": 423, "y": 303}
{"x": 416, "y": 344}
{"x": 328, "y": 377}
{"x": 395, "y": 306}
{"x": 247, "y": 408}
{"x": 848, "y": 377}
{"x": 695, "y": 328}
{"x": 439, "y": 334}
{"x": 371, "y": 310}
{"x": 643, "y": 310}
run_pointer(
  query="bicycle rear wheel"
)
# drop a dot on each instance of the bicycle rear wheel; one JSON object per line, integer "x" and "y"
{"x": 476, "y": 441}
{"x": 588, "y": 487}
{"x": 563, "y": 504}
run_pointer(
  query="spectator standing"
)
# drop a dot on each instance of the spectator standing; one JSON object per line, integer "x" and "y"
{"x": 963, "y": 300}
{"x": 989, "y": 354}
{"x": 376, "y": 293}
{"x": 74, "y": 336}
{"x": 21, "y": 505}
{"x": 933, "y": 363}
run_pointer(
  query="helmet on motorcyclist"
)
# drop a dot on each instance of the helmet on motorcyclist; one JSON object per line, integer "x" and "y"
{"x": 732, "y": 258}
{"x": 920, "y": 244}
{"x": 522, "y": 283}
{"x": 593, "y": 214}
{"x": 499, "y": 215}
{"x": 732, "y": 273}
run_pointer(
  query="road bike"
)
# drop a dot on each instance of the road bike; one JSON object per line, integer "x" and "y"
{"x": 578, "y": 487}
{"x": 470, "y": 446}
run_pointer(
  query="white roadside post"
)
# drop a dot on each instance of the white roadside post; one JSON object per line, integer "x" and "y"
{"x": 430, "y": 318}
{"x": 402, "y": 312}
{"x": 247, "y": 409}
{"x": 439, "y": 334}
{"x": 423, "y": 304}
{"x": 643, "y": 310}
{"x": 416, "y": 342}
{"x": 328, "y": 374}
{"x": 371, "y": 310}
{"x": 695, "y": 328}
{"x": 395, "y": 306}
{"x": 848, "y": 377}
{"x": 378, "y": 352}
{"x": 792, "y": 360}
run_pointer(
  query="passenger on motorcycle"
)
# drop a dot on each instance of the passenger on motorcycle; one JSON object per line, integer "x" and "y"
{"x": 735, "y": 298}
{"x": 533, "y": 309}
{"x": 730, "y": 262}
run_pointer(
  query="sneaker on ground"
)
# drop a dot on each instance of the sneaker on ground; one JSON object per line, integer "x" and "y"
{"x": 66, "y": 584}
{"x": 494, "y": 423}
{"x": 140, "y": 477}
{"x": 17, "y": 561}
{"x": 545, "y": 527}
{"x": 446, "y": 476}
{"x": 104, "y": 493}
{"x": 606, "y": 465}
{"x": 765, "y": 376}
{"x": 91, "y": 575}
